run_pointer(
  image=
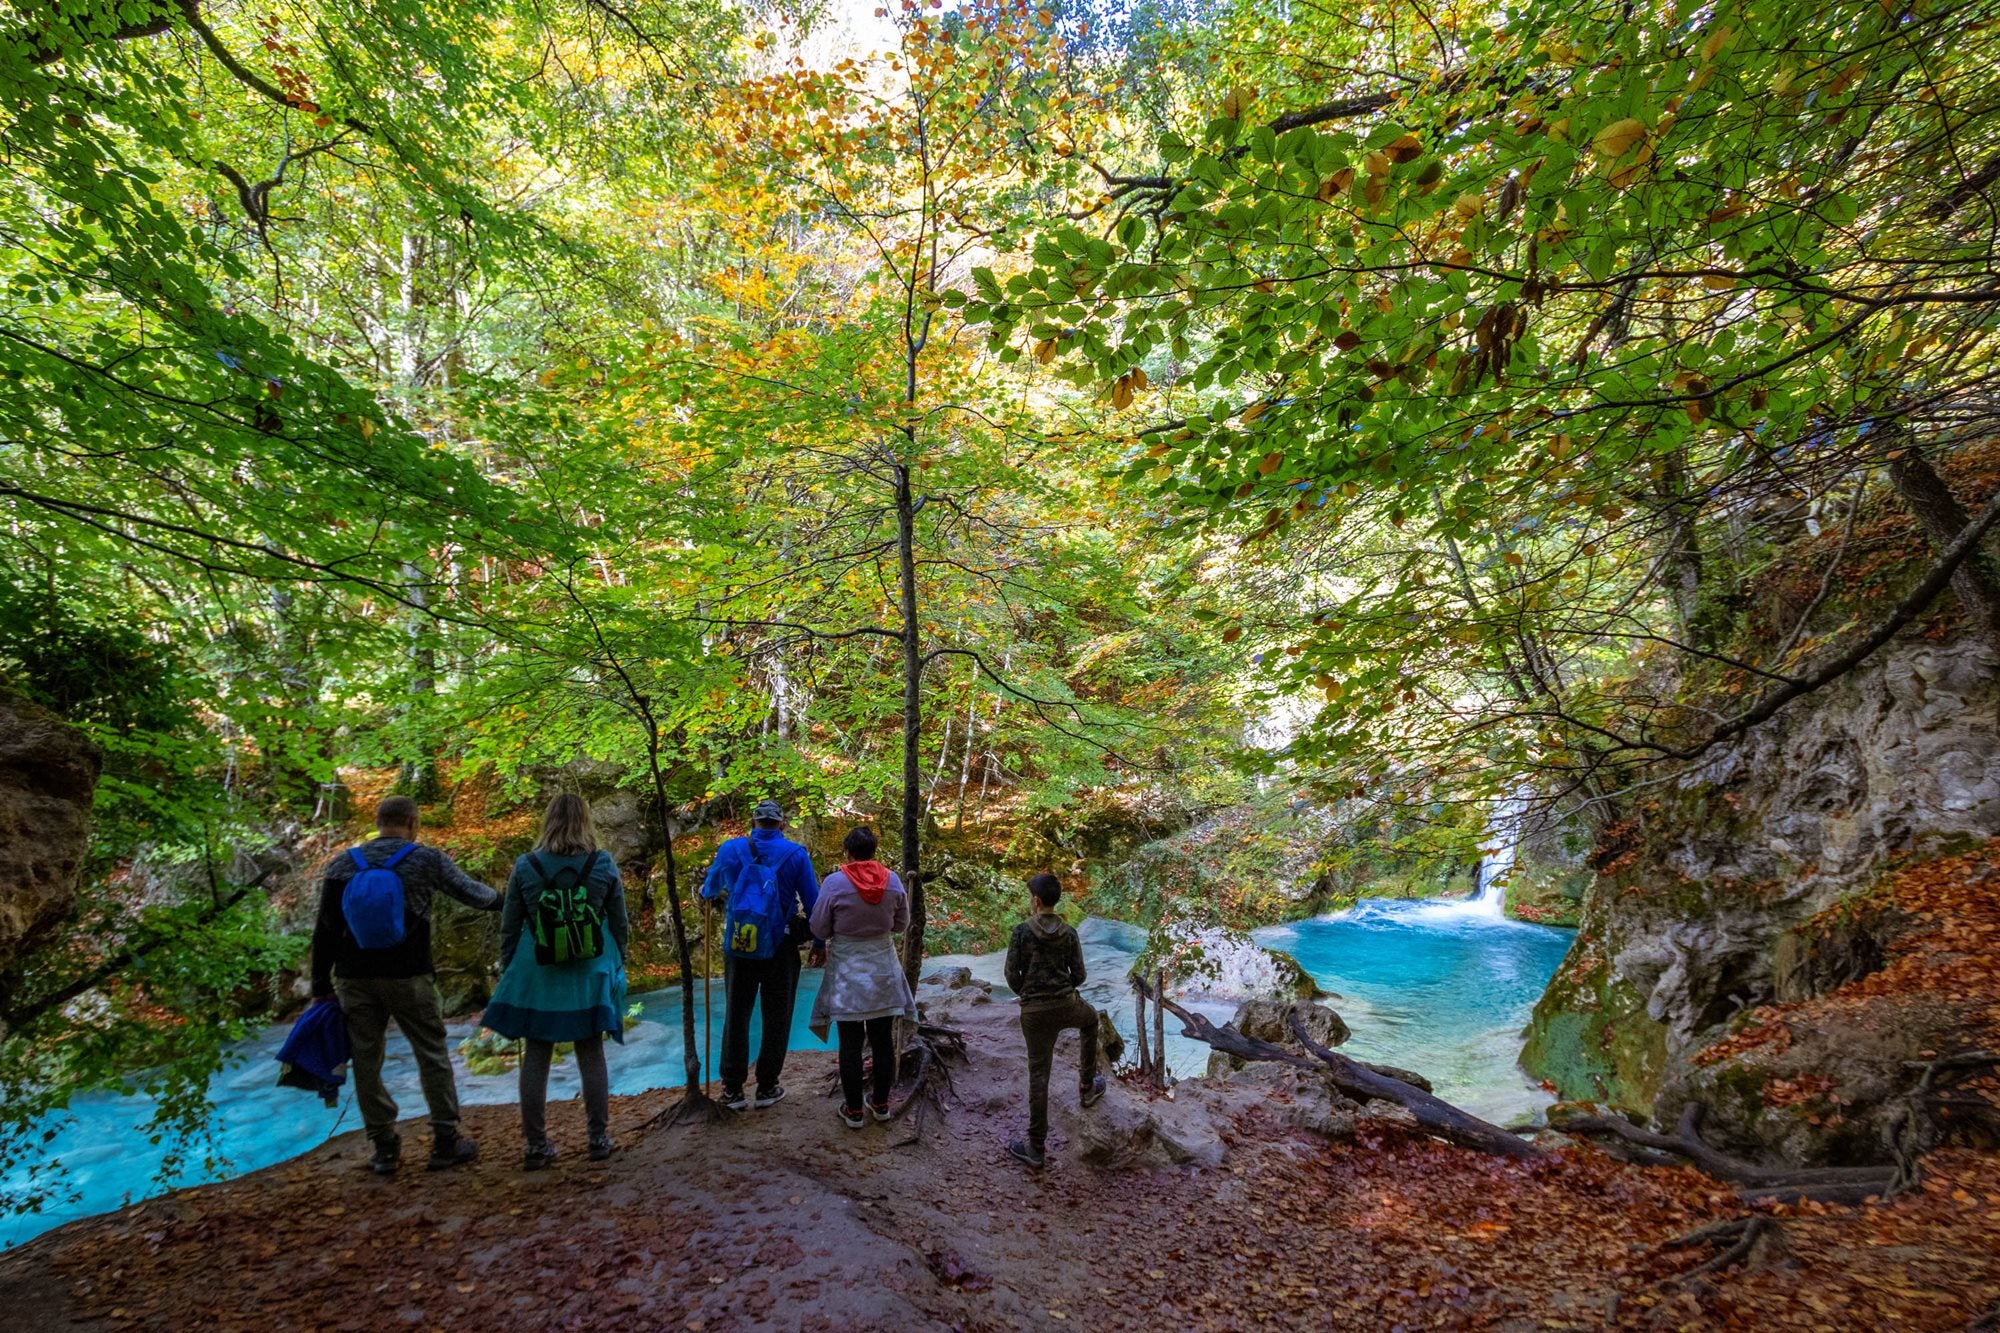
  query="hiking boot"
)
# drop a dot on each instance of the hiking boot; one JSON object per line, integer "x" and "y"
{"x": 539, "y": 1156}
{"x": 388, "y": 1156}
{"x": 1030, "y": 1153}
{"x": 450, "y": 1151}
{"x": 770, "y": 1096}
{"x": 1091, "y": 1093}
{"x": 602, "y": 1146}
{"x": 852, "y": 1117}
{"x": 734, "y": 1100}
{"x": 880, "y": 1110}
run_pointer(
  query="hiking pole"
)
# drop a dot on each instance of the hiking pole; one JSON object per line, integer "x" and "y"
{"x": 707, "y": 1014}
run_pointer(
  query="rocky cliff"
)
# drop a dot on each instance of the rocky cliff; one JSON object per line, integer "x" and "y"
{"x": 1742, "y": 882}
{"x": 48, "y": 773}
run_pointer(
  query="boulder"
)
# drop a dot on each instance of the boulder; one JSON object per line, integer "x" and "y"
{"x": 48, "y": 775}
{"x": 1128, "y": 1129}
{"x": 1270, "y": 1020}
{"x": 949, "y": 978}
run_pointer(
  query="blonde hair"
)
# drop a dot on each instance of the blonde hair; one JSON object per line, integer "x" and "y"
{"x": 566, "y": 827}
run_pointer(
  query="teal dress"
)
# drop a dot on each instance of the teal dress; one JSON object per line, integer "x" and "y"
{"x": 575, "y": 1001}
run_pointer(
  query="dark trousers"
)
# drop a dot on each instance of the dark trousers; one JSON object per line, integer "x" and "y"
{"x": 746, "y": 982}
{"x": 880, "y": 1034}
{"x": 590, "y": 1068}
{"x": 1041, "y": 1026}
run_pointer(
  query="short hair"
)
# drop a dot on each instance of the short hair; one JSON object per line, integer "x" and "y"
{"x": 567, "y": 829}
{"x": 860, "y": 843}
{"x": 1046, "y": 888}
{"x": 396, "y": 812}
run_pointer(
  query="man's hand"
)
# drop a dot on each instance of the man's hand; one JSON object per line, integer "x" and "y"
{"x": 816, "y": 956}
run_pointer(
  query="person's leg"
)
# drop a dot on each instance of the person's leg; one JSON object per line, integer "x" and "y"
{"x": 1040, "y": 1027}
{"x": 882, "y": 1042}
{"x": 1084, "y": 1019}
{"x": 852, "y": 1033}
{"x": 367, "y": 1027}
{"x": 535, "y": 1061}
{"x": 596, "y": 1079}
{"x": 780, "y": 989}
{"x": 418, "y": 1011}
{"x": 739, "y": 986}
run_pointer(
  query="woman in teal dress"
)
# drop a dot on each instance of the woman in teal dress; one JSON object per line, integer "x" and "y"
{"x": 563, "y": 977}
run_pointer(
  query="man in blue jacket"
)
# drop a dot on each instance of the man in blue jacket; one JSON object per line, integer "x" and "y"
{"x": 775, "y": 980}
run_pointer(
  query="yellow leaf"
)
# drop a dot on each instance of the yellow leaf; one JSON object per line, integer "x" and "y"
{"x": 1616, "y": 139}
{"x": 1469, "y": 205}
{"x": 367, "y": 429}
{"x": 1512, "y": 557}
{"x": 1718, "y": 282}
{"x": 1139, "y": 380}
{"x": 1405, "y": 149}
{"x": 1252, "y": 412}
{"x": 1045, "y": 350}
{"x": 1717, "y": 39}
{"x": 1269, "y": 462}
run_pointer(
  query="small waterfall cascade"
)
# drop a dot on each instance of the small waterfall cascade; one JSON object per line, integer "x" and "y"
{"x": 1496, "y": 855}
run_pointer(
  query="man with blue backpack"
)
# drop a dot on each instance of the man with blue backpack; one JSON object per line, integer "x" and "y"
{"x": 371, "y": 948}
{"x": 768, "y": 883}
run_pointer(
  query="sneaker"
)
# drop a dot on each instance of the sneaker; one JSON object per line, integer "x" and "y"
{"x": 388, "y": 1156}
{"x": 880, "y": 1110}
{"x": 1091, "y": 1093}
{"x": 1027, "y": 1152}
{"x": 539, "y": 1156}
{"x": 602, "y": 1146}
{"x": 770, "y": 1096}
{"x": 852, "y": 1118}
{"x": 449, "y": 1152}
{"x": 734, "y": 1100}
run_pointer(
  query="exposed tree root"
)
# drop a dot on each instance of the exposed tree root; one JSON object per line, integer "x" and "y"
{"x": 1433, "y": 1115}
{"x": 695, "y": 1107}
{"x": 1832, "y": 1184}
{"x": 1738, "y": 1238}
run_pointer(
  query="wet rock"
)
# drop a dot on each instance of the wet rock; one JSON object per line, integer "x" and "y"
{"x": 48, "y": 773}
{"x": 949, "y": 978}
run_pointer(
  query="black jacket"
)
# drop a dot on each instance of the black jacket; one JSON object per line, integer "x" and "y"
{"x": 426, "y": 872}
{"x": 1044, "y": 960}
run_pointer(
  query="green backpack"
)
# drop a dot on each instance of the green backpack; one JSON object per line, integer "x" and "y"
{"x": 565, "y": 927}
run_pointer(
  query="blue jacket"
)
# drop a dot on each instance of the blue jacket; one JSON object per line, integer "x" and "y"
{"x": 315, "y": 1054}
{"x": 798, "y": 886}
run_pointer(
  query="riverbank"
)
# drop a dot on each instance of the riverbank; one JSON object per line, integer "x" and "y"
{"x": 786, "y": 1219}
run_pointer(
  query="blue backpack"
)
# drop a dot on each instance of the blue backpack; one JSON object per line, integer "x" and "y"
{"x": 373, "y": 901}
{"x": 756, "y": 920}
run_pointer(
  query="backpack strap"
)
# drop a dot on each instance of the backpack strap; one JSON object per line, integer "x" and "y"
{"x": 397, "y": 859}
{"x": 360, "y": 861}
{"x": 541, "y": 871}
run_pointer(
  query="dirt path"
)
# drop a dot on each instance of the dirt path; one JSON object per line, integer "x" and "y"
{"x": 784, "y": 1219}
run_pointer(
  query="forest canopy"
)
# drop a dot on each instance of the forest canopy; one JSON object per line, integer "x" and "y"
{"x": 1409, "y": 405}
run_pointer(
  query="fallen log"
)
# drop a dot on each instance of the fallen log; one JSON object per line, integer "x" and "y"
{"x": 1433, "y": 1115}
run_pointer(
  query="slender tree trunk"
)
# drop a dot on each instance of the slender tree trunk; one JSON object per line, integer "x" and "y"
{"x": 913, "y": 719}
{"x": 1930, "y": 500}
{"x": 418, "y": 777}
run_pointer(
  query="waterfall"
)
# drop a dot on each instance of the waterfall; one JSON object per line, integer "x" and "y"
{"x": 1496, "y": 854}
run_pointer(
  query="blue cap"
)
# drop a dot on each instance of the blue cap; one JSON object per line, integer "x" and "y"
{"x": 768, "y": 810}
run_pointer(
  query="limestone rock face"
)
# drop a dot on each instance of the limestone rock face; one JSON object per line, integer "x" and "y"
{"x": 1700, "y": 916}
{"x": 622, "y": 814}
{"x": 48, "y": 773}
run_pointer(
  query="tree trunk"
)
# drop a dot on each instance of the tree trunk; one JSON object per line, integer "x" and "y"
{"x": 418, "y": 778}
{"x": 913, "y": 718}
{"x": 1927, "y": 497}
